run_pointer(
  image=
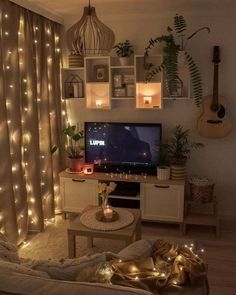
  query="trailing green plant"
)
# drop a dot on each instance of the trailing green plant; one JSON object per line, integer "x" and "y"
{"x": 124, "y": 49}
{"x": 178, "y": 147}
{"x": 175, "y": 41}
{"x": 73, "y": 148}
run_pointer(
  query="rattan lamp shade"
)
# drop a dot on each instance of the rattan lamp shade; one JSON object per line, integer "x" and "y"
{"x": 89, "y": 36}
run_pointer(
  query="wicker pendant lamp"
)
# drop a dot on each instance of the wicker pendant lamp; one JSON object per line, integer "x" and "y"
{"x": 89, "y": 36}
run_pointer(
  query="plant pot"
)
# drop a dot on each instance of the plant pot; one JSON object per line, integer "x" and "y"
{"x": 178, "y": 171}
{"x": 163, "y": 172}
{"x": 75, "y": 164}
{"x": 124, "y": 61}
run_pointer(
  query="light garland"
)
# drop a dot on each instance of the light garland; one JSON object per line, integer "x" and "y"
{"x": 27, "y": 112}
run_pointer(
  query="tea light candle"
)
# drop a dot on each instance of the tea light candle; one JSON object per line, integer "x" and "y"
{"x": 147, "y": 99}
{"x": 108, "y": 212}
{"x": 88, "y": 168}
{"x": 98, "y": 103}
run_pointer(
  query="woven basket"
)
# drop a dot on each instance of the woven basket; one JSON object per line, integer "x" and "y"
{"x": 201, "y": 193}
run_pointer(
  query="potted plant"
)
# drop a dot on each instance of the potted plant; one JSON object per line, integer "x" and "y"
{"x": 175, "y": 52}
{"x": 163, "y": 169}
{"x": 73, "y": 149}
{"x": 177, "y": 150}
{"x": 124, "y": 50}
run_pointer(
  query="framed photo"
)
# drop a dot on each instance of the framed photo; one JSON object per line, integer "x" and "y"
{"x": 128, "y": 79}
{"x": 119, "y": 92}
{"x": 130, "y": 90}
{"x": 117, "y": 81}
{"x": 101, "y": 73}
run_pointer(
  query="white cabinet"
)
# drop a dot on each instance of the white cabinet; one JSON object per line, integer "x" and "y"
{"x": 162, "y": 202}
{"x": 76, "y": 194}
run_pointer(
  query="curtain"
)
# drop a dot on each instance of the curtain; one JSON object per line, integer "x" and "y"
{"x": 30, "y": 120}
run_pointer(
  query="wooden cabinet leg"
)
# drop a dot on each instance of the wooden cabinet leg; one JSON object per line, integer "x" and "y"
{"x": 184, "y": 229}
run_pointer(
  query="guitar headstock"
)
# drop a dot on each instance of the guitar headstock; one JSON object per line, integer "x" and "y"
{"x": 216, "y": 55}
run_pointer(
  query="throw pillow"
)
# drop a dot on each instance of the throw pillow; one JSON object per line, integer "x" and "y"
{"x": 136, "y": 250}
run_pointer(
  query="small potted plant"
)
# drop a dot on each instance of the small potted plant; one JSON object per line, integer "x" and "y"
{"x": 73, "y": 149}
{"x": 124, "y": 50}
{"x": 177, "y": 150}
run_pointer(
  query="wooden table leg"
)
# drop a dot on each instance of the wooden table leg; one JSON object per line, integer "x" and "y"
{"x": 90, "y": 242}
{"x": 71, "y": 245}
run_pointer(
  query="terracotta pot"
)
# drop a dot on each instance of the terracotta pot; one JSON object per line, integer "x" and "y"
{"x": 75, "y": 164}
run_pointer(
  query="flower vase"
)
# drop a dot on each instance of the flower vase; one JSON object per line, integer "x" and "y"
{"x": 104, "y": 201}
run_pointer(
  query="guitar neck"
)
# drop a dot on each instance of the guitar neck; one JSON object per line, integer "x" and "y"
{"x": 215, "y": 98}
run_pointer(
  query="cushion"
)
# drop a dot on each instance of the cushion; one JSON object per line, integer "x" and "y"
{"x": 139, "y": 249}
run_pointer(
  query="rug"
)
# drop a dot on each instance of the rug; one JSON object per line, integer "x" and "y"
{"x": 52, "y": 243}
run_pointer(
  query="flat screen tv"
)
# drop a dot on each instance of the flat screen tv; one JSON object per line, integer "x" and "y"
{"x": 123, "y": 147}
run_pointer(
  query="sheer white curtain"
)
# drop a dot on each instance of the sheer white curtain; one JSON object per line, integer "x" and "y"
{"x": 30, "y": 120}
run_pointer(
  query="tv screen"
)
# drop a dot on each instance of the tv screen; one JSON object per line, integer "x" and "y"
{"x": 123, "y": 147}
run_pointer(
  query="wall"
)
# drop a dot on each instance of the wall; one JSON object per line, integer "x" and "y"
{"x": 149, "y": 19}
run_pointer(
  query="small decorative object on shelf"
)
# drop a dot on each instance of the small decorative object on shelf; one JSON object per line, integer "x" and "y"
{"x": 74, "y": 87}
{"x": 124, "y": 50}
{"x": 73, "y": 150}
{"x": 119, "y": 92}
{"x": 175, "y": 88}
{"x": 88, "y": 168}
{"x": 130, "y": 90}
{"x": 75, "y": 61}
{"x": 101, "y": 73}
{"x": 117, "y": 81}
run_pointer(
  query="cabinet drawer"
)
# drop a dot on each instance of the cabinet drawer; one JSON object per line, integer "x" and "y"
{"x": 78, "y": 193}
{"x": 162, "y": 202}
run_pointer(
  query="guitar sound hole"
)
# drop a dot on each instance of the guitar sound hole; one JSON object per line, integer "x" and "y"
{"x": 221, "y": 112}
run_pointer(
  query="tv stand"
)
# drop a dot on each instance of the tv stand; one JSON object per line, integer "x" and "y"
{"x": 159, "y": 200}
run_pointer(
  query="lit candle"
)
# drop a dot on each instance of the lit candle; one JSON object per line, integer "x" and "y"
{"x": 98, "y": 103}
{"x": 147, "y": 99}
{"x": 108, "y": 212}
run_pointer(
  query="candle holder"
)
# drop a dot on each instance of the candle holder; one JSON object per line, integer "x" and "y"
{"x": 107, "y": 214}
{"x": 88, "y": 168}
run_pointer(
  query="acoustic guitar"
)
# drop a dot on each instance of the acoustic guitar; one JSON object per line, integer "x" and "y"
{"x": 213, "y": 122}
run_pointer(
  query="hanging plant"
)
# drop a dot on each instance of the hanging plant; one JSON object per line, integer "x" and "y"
{"x": 175, "y": 44}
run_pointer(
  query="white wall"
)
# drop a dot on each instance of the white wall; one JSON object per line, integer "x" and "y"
{"x": 149, "y": 19}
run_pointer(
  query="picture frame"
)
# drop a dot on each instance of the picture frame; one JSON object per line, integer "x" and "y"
{"x": 128, "y": 79}
{"x": 119, "y": 92}
{"x": 117, "y": 81}
{"x": 101, "y": 73}
{"x": 130, "y": 90}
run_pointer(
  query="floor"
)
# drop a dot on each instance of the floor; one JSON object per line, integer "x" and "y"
{"x": 220, "y": 252}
